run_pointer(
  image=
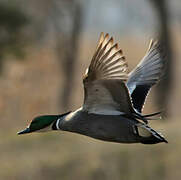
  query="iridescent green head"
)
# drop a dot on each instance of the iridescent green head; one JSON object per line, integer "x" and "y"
{"x": 41, "y": 124}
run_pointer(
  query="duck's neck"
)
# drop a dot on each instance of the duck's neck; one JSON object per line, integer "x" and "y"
{"x": 57, "y": 124}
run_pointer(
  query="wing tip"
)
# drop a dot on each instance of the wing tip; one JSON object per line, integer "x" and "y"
{"x": 116, "y": 46}
{"x": 101, "y": 38}
{"x": 123, "y": 57}
{"x": 108, "y": 54}
{"x": 107, "y": 36}
{"x": 111, "y": 40}
{"x": 120, "y": 52}
{"x": 102, "y": 34}
{"x": 154, "y": 43}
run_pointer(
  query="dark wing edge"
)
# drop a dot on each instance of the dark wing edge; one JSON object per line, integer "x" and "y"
{"x": 146, "y": 74}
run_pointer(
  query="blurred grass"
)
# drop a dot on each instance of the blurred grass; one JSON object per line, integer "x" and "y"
{"x": 32, "y": 87}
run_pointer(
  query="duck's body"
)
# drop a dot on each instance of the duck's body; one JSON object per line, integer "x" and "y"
{"x": 113, "y": 99}
{"x": 113, "y": 128}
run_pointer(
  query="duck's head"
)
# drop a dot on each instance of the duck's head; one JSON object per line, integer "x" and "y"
{"x": 41, "y": 124}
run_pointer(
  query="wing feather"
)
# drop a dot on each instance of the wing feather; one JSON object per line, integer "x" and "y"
{"x": 104, "y": 80}
{"x": 106, "y": 57}
{"x": 147, "y": 73}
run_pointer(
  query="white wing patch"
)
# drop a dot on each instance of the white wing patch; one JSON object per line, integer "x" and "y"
{"x": 105, "y": 112}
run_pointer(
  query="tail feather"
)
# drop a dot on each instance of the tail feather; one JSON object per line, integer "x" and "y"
{"x": 149, "y": 135}
{"x": 152, "y": 114}
{"x": 145, "y": 118}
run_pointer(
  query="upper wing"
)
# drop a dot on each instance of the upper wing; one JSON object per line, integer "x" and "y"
{"x": 147, "y": 73}
{"x": 104, "y": 87}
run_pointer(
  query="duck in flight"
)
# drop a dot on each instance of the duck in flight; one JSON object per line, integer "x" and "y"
{"x": 113, "y": 98}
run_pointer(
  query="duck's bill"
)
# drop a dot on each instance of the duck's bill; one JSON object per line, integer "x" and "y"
{"x": 25, "y": 131}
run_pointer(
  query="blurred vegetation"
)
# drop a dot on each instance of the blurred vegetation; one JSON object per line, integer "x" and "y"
{"x": 164, "y": 36}
{"x": 12, "y": 22}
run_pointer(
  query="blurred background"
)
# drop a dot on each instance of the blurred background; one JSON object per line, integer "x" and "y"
{"x": 45, "y": 47}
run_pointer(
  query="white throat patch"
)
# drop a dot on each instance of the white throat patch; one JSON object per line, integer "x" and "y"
{"x": 57, "y": 124}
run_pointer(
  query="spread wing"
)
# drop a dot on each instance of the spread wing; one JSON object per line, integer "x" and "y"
{"x": 104, "y": 87}
{"x": 147, "y": 73}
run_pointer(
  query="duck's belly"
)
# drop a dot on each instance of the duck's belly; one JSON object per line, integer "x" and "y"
{"x": 104, "y": 127}
{"x": 116, "y": 130}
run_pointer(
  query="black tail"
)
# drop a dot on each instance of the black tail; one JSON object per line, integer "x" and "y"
{"x": 145, "y": 118}
{"x": 154, "y": 138}
{"x": 153, "y": 114}
{"x": 147, "y": 135}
